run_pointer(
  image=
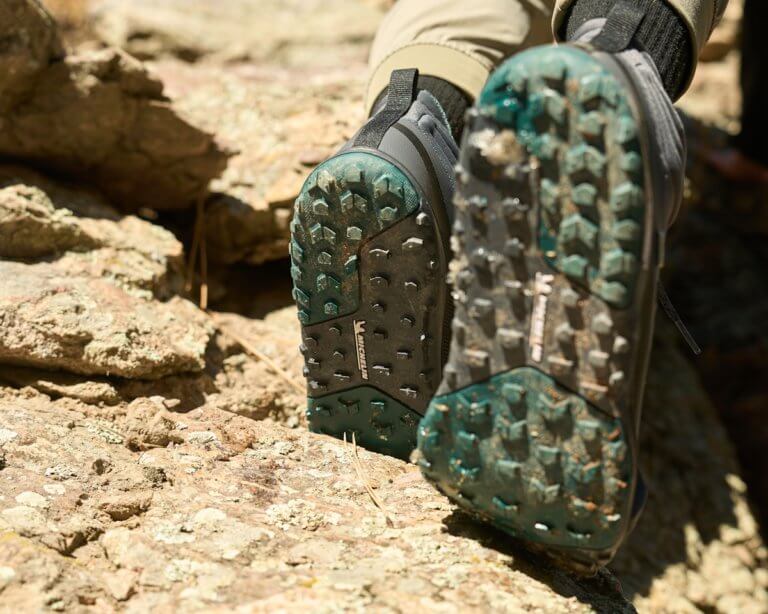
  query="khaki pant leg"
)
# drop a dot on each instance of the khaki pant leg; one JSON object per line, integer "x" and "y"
{"x": 460, "y": 41}
{"x": 701, "y": 17}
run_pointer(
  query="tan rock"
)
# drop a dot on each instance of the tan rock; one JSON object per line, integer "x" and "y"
{"x": 41, "y": 218}
{"x": 86, "y": 325}
{"x": 31, "y": 42}
{"x": 273, "y": 125}
{"x": 285, "y": 522}
{"x": 101, "y": 117}
{"x": 152, "y": 28}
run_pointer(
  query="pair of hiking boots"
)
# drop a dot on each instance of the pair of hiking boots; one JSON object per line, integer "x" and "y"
{"x": 515, "y": 366}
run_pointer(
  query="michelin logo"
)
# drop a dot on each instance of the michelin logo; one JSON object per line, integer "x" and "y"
{"x": 362, "y": 360}
{"x": 542, "y": 291}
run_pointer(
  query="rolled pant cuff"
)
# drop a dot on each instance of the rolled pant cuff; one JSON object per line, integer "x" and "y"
{"x": 441, "y": 60}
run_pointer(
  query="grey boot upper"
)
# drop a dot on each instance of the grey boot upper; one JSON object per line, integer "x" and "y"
{"x": 422, "y": 144}
{"x": 661, "y": 120}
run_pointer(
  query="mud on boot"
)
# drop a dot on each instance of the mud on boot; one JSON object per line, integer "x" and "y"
{"x": 369, "y": 256}
{"x": 558, "y": 235}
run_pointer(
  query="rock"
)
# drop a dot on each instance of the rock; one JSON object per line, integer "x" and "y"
{"x": 6, "y": 436}
{"x": 202, "y": 438}
{"x": 126, "y": 506}
{"x": 88, "y": 326}
{"x": 240, "y": 372}
{"x": 6, "y": 575}
{"x": 696, "y": 502}
{"x": 100, "y": 466}
{"x": 208, "y": 518}
{"x": 24, "y": 520}
{"x": 284, "y": 522}
{"x": 59, "y": 384}
{"x": 102, "y": 118}
{"x": 121, "y": 584}
{"x": 30, "y": 44}
{"x": 32, "y": 499}
{"x": 149, "y": 29}
{"x": 149, "y": 425}
{"x": 30, "y": 226}
{"x": 71, "y": 535}
{"x": 273, "y": 125}
{"x": 156, "y": 475}
{"x": 41, "y": 218}
{"x": 220, "y": 504}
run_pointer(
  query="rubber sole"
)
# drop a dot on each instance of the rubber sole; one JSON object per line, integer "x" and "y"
{"x": 369, "y": 271}
{"x": 531, "y": 428}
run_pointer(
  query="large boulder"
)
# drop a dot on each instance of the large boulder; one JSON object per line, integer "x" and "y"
{"x": 289, "y": 93}
{"x": 30, "y": 44}
{"x": 80, "y": 283}
{"x": 207, "y": 509}
{"x": 280, "y": 131}
{"x": 155, "y": 511}
{"x": 98, "y": 115}
{"x": 101, "y": 117}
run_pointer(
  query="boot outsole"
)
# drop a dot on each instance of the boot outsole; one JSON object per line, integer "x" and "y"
{"x": 529, "y": 430}
{"x": 369, "y": 273}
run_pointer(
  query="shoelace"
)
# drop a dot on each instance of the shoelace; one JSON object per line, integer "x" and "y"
{"x": 669, "y": 309}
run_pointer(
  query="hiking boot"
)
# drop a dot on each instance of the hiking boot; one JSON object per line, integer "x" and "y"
{"x": 570, "y": 173}
{"x": 369, "y": 255}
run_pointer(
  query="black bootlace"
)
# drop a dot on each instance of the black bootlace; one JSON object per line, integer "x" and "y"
{"x": 669, "y": 309}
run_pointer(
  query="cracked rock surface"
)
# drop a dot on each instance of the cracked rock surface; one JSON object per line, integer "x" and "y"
{"x": 154, "y": 456}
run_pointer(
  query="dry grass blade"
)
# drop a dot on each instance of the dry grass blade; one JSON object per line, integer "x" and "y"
{"x": 193, "y": 250}
{"x": 364, "y": 479}
{"x": 203, "y": 257}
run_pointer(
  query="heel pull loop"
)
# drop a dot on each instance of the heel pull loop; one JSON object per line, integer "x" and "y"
{"x": 400, "y": 96}
{"x": 669, "y": 309}
{"x": 623, "y": 22}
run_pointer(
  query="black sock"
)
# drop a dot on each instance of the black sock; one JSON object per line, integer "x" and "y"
{"x": 663, "y": 34}
{"x": 453, "y": 100}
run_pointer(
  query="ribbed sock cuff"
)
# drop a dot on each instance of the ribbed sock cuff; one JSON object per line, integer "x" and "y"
{"x": 663, "y": 35}
{"x": 453, "y": 100}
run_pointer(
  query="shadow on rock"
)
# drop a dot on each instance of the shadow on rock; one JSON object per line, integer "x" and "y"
{"x": 99, "y": 117}
{"x": 601, "y": 592}
{"x": 696, "y": 508}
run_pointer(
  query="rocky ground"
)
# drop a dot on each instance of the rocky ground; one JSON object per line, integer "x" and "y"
{"x": 153, "y": 455}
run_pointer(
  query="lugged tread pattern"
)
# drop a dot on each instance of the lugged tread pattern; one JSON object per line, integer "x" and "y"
{"x": 344, "y": 202}
{"x": 400, "y": 318}
{"x": 551, "y": 226}
{"x": 376, "y": 421}
{"x": 517, "y": 298}
{"x": 572, "y": 116}
{"x": 535, "y": 459}
{"x": 384, "y": 334}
